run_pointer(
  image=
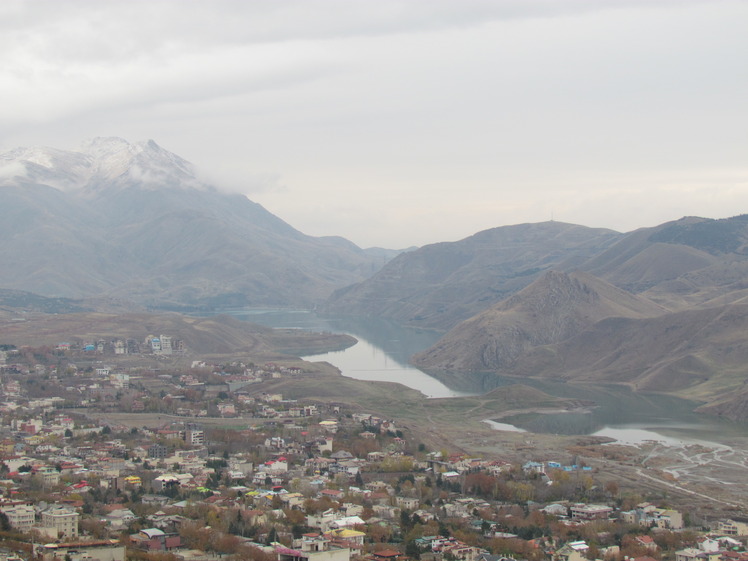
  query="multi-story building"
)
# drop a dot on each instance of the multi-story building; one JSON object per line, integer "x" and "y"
{"x": 733, "y": 527}
{"x": 194, "y": 434}
{"x": 157, "y": 451}
{"x": 49, "y": 476}
{"x": 20, "y": 517}
{"x": 590, "y": 512}
{"x": 62, "y": 519}
{"x": 166, "y": 347}
{"x": 120, "y": 380}
{"x": 572, "y": 551}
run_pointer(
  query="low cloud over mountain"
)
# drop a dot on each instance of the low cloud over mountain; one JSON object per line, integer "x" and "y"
{"x": 135, "y": 221}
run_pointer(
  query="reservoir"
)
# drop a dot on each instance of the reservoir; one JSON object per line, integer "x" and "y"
{"x": 384, "y": 349}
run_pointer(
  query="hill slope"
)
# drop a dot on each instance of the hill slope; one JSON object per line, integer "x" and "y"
{"x": 439, "y": 285}
{"x": 134, "y": 221}
{"x": 201, "y": 335}
{"x": 552, "y": 309}
{"x": 681, "y": 264}
{"x": 698, "y": 354}
{"x": 688, "y": 262}
{"x": 578, "y": 328}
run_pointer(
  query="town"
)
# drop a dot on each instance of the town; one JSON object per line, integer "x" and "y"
{"x": 106, "y": 461}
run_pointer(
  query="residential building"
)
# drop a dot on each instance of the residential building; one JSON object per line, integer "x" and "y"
{"x": 20, "y": 517}
{"x": 166, "y": 347}
{"x": 572, "y": 551}
{"x": 154, "y": 539}
{"x": 157, "y": 451}
{"x": 732, "y": 528}
{"x": 688, "y": 554}
{"x": 194, "y": 434}
{"x": 590, "y": 512}
{"x": 63, "y": 520}
{"x": 407, "y": 503}
{"x": 100, "y": 550}
{"x": 313, "y": 547}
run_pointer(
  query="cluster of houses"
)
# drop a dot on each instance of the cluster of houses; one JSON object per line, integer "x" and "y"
{"x": 350, "y": 503}
{"x": 300, "y": 466}
{"x": 152, "y": 344}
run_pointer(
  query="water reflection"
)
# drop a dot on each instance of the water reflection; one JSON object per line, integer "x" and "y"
{"x": 365, "y": 361}
{"x": 636, "y": 436}
{"x": 384, "y": 350}
{"x": 381, "y": 354}
{"x": 503, "y": 426}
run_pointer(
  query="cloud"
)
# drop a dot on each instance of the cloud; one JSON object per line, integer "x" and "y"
{"x": 11, "y": 170}
{"x": 450, "y": 115}
{"x": 120, "y": 32}
{"x": 239, "y": 181}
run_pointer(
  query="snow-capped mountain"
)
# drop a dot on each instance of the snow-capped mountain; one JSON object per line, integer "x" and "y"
{"x": 134, "y": 220}
{"x": 100, "y": 163}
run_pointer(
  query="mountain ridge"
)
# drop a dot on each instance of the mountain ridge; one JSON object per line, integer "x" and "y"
{"x": 697, "y": 353}
{"x": 135, "y": 221}
{"x": 552, "y": 309}
{"x": 438, "y": 285}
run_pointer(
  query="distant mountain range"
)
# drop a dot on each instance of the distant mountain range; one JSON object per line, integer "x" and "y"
{"x": 680, "y": 264}
{"x": 661, "y": 309}
{"x": 134, "y": 221}
{"x": 439, "y": 285}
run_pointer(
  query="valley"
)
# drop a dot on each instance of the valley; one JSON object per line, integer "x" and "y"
{"x": 558, "y": 330}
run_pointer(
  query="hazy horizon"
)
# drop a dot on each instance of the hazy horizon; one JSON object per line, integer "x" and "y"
{"x": 397, "y": 123}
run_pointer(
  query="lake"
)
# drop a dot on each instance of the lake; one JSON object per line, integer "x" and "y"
{"x": 384, "y": 349}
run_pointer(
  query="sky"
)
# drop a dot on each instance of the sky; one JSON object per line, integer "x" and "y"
{"x": 398, "y": 123}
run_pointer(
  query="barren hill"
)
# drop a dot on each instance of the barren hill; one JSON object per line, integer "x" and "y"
{"x": 552, "y": 309}
{"x": 578, "y": 328}
{"x": 696, "y": 353}
{"x": 681, "y": 264}
{"x": 439, "y": 285}
{"x": 730, "y": 405}
{"x": 688, "y": 262}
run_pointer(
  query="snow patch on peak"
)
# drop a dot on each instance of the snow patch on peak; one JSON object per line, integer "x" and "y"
{"x": 144, "y": 163}
{"x": 98, "y": 165}
{"x": 103, "y": 145}
{"x": 57, "y": 168}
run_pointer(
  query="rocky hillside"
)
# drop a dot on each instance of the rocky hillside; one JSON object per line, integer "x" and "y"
{"x": 731, "y": 405}
{"x": 681, "y": 264}
{"x": 554, "y": 308}
{"x": 689, "y": 262}
{"x": 439, "y": 285}
{"x": 578, "y": 328}
{"x": 134, "y": 221}
{"x": 699, "y": 354}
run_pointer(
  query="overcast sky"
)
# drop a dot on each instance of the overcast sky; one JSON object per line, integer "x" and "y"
{"x": 397, "y": 123}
